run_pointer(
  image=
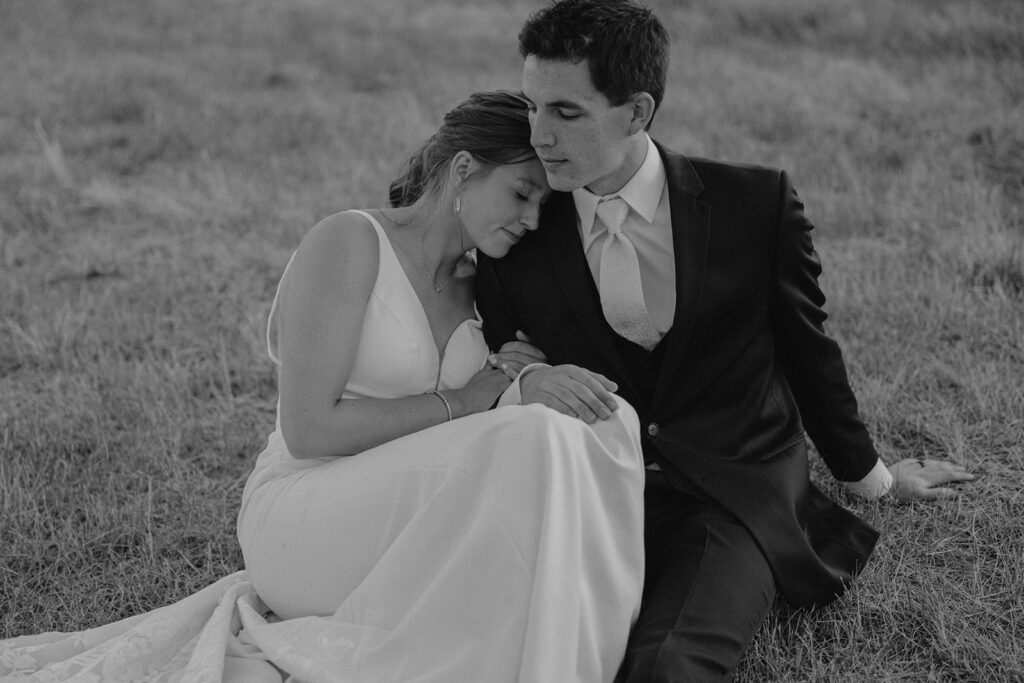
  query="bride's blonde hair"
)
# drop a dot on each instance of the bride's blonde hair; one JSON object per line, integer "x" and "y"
{"x": 492, "y": 126}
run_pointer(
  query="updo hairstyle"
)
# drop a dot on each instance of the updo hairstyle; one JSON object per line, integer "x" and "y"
{"x": 492, "y": 126}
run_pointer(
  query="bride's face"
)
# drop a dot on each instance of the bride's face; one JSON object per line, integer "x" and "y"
{"x": 499, "y": 206}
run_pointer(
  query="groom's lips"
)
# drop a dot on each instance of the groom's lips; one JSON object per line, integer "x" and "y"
{"x": 551, "y": 162}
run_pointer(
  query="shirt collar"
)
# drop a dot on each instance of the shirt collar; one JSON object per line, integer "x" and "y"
{"x": 642, "y": 192}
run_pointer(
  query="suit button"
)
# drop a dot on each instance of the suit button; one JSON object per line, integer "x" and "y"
{"x": 653, "y": 429}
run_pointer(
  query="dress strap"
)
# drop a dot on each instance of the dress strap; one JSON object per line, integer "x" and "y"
{"x": 373, "y": 221}
{"x": 382, "y": 237}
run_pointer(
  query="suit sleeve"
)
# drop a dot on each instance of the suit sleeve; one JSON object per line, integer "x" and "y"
{"x": 811, "y": 359}
{"x": 500, "y": 324}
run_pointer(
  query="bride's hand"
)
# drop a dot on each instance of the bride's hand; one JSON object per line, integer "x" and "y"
{"x": 481, "y": 391}
{"x": 512, "y": 357}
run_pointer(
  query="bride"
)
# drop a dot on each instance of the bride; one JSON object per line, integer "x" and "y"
{"x": 396, "y": 528}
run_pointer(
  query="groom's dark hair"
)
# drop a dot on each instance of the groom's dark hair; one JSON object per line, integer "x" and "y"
{"x": 625, "y": 45}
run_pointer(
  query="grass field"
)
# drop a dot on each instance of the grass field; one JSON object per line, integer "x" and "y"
{"x": 160, "y": 160}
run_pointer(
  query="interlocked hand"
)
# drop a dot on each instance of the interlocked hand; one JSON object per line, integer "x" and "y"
{"x": 512, "y": 357}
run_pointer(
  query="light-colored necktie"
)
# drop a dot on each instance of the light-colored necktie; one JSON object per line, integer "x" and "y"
{"x": 622, "y": 294}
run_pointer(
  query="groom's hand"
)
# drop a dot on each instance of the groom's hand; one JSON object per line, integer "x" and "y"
{"x": 916, "y": 479}
{"x": 570, "y": 390}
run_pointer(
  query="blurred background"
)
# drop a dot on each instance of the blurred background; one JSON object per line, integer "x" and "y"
{"x": 159, "y": 160}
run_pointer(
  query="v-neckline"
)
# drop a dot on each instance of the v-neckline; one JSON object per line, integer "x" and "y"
{"x": 439, "y": 351}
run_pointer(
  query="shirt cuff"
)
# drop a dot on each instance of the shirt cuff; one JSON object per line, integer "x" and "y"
{"x": 513, "y": 395}
{"x": 875, "y": 485}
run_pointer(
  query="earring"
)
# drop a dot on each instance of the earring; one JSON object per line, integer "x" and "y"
{"x": 458, "y": 220}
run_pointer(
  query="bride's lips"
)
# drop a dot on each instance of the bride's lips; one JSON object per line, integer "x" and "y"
{"x": 513, "y": 236}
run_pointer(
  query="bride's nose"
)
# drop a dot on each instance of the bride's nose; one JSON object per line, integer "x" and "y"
{"x": 528, "y": 221}
{"x": 530, "y": 218}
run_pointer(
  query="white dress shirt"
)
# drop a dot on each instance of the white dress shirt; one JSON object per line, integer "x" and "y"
{"x": 649, "y": 227}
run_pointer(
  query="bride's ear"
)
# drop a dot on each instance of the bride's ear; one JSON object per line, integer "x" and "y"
{"x": 463, "y": 165}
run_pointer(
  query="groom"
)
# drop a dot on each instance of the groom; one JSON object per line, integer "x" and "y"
{"x": 693, "y": 286}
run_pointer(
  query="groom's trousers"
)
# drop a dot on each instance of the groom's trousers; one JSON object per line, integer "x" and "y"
{"x": 707, "y": 590}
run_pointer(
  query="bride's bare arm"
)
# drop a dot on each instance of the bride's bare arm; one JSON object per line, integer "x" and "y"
{"x": 320, "y": 320}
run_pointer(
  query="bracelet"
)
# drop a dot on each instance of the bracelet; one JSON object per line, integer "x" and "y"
{"x": 444, "y": 400}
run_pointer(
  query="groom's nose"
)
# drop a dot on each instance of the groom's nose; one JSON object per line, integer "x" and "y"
{"x": 540, "y": 134}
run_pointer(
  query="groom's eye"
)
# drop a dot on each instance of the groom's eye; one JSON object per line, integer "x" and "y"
{"x": 568, "y": 115}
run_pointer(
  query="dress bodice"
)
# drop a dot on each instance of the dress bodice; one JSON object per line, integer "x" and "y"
{"x": 397, "y": 355}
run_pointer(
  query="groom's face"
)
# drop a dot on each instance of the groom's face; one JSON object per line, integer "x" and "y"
{"x": 580, "y": 137}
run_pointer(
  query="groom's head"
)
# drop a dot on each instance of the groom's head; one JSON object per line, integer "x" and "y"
{"x": 594, "y": 73}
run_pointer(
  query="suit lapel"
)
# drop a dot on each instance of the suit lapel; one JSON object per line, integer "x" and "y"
{"x": 690, "y": 235}
{"x": 565, "y": 254}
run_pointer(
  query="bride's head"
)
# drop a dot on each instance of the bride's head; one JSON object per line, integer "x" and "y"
{"x": 480, "y": 164}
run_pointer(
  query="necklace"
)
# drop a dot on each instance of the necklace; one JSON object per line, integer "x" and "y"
{"x": 438, "y": 289}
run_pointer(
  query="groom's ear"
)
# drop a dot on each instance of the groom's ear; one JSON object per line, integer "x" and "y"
{"x": 642, "y": 109}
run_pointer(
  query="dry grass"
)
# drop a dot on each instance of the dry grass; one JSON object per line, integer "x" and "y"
{"x": 159, "y": 160}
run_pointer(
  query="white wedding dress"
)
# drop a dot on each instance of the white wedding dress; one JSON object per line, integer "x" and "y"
{"x": 502, "y": 546}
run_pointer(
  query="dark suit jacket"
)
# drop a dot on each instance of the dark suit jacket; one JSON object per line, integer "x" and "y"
{"x": 745, "y": 369}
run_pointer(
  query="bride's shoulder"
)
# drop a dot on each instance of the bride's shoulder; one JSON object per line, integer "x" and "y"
{"x": 343, "y": 243}
{"x": 346, "y": 231}
{"x": 345, "y": 228}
